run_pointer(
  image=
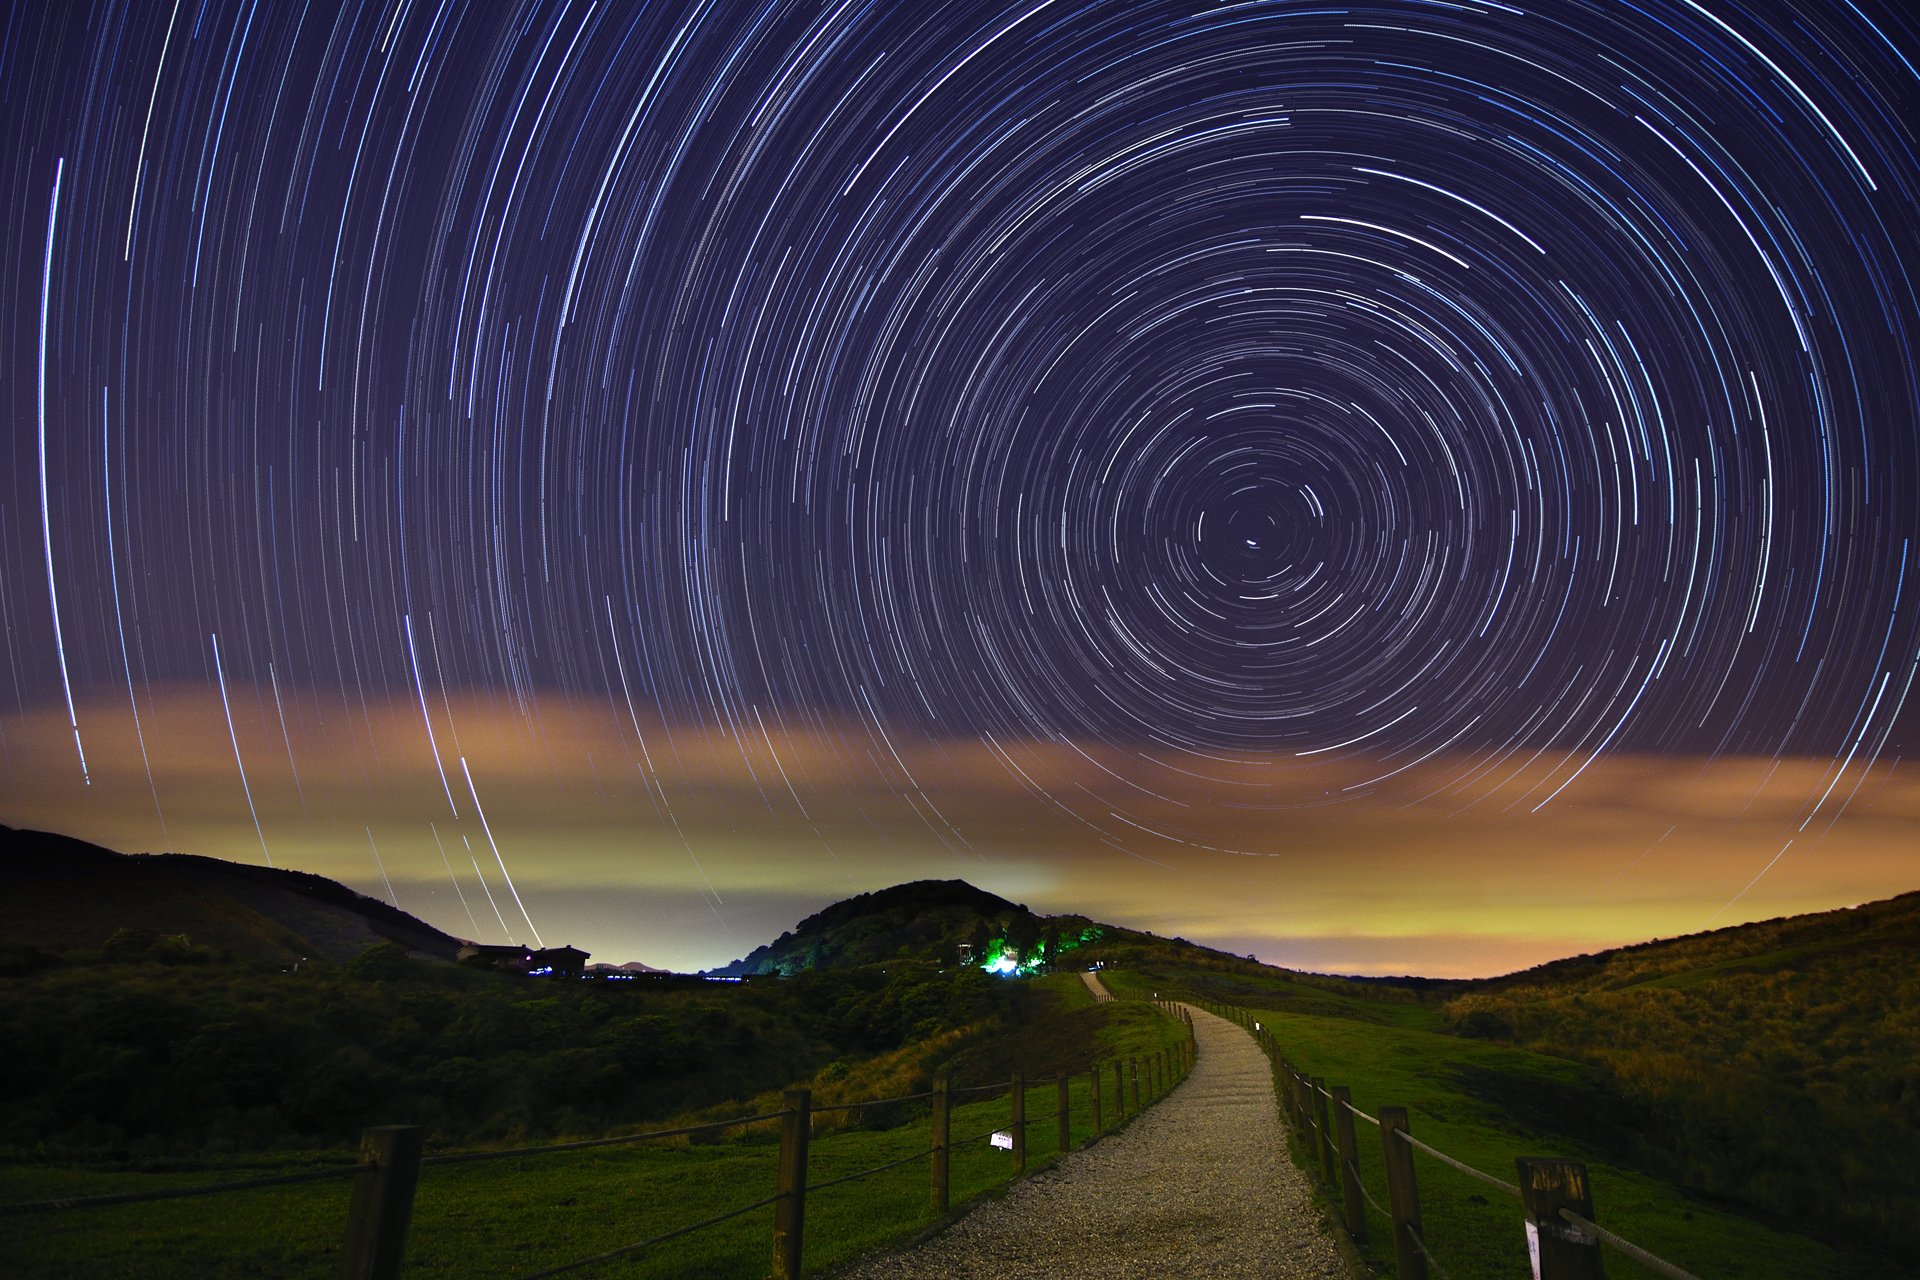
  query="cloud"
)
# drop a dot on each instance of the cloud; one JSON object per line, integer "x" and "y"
{"x": 1447, "y": 867}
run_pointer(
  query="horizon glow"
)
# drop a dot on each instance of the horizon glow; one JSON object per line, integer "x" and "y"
{"x": 1406, "y": 487}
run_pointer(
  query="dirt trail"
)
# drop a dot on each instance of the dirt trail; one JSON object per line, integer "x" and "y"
{"x": 1198, "y": 1185}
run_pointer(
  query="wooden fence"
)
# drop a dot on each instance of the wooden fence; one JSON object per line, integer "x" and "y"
{"x": 391, "y": 1158}
{"x": 1556, "y": 1200}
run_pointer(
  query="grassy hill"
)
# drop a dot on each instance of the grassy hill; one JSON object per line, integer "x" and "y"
{"x": 513, "y": 1216}
{"x": 149, "y": 1046}
{"x": 158, "y": 1066}
{"x": 1770, "y": 1064}
{"x": 926, "y": 919}
{"x": 58, "y": 893}
{"x": 1745, "y": 1098}
{"x": 1760, "y": 1073}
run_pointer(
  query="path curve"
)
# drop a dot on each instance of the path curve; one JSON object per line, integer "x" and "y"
{"x": 1199, "y": 1185}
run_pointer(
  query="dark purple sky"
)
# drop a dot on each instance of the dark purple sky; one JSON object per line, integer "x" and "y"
{"x": 1176, "y": 419}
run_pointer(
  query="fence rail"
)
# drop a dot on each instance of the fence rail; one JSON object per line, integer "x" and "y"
{"x": 386, "y": 1172}
{"x": 1555, "y": 1197}
{"x": 184, "y": 1193}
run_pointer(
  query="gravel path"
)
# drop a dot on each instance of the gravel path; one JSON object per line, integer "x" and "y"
{"x": 1199, "y": 1185}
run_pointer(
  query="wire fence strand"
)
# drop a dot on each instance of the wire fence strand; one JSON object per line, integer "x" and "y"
{"x": 956, "y": 1143}
{"x": 1649, "y": 1260}
{"x": 1421, "y": 1245}
{"x": 1363, "y": 1115}
{"x": 183, "y": 1193}
{"x": 1508, "y": 1187}
{"x": 1366, "y": 1195}
{"x": 866, "y": 1173}
{"x": 1628, "y": 1247}
{"x": 874, "y": 1102}
{"x": 650, "y": 1241}
{"x": 473, "y": 1157}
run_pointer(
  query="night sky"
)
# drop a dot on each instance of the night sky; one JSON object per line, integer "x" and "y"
{"x": 1394, "y": 486}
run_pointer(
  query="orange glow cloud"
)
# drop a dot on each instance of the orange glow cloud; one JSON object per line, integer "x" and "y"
{"x": 688, "y": 845}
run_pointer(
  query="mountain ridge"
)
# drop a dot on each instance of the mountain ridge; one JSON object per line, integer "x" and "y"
{"x": 60, "y": 892}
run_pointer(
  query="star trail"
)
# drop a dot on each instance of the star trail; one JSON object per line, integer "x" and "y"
{"x": 1241, "y": 455}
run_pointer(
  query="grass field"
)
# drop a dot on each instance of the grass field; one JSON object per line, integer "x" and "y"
{"x": 1485, "y": 1105}
{"x": 518, "y": 1215}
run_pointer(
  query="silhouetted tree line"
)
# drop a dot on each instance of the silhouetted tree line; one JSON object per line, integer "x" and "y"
{"x": 151, "y": 1046}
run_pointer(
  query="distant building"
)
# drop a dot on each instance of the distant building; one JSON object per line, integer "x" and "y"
{"x": 560, "y": 962}
{"x": 507, "y": 959}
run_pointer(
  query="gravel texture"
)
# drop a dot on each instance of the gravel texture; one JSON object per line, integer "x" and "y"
{"x": 1199, "y": 1185}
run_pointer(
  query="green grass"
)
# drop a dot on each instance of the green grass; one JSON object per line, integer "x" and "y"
{"x": 518, "y": 1215}
{"x": 1485, "y": 1105}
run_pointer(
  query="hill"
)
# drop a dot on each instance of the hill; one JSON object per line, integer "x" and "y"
{"x": 57, "y": 893}
{"x": 1778, "y": 945}
{"x": 1765, "y": 1067}
{"x": 1770, "y": 1063}
{"x": 925, "y": 919}
{"x": 939, "y": 921}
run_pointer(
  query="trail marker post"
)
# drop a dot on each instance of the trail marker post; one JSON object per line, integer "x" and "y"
{"x": 382, "y": 1204}
{"x": 1558, "y": 1249}
{"x": 1324, "y": 1131}
{"x": 942, "y": 1137}
{"x": 1354, "y": 1204}
{"x": 790, "y": 1210}
{"x": 1403, "y": 1195}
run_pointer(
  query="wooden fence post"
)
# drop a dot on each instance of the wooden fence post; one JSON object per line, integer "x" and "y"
{"x": 1328, "y": 1161}
{"x": 942, "y": 1136}
{"x": 1403, "y": 1195}
{"x": 1558, "y": 1249}
{"x": 790, "y": 1210}
{"x": 382, "y": 1203}
{"x": 1134, "y": 1063}
{"x": 1065, "y": 1110}
{"x": 1019, "y": 1123}
{"x": 1119, "y": 1091}
{"x": 1356, "y": 1205}
{"x": 1094, "y": 1075}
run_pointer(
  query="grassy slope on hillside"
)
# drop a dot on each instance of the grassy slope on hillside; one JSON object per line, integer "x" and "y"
{"x": 1486, "y": 1104}
{"x": 1771, "y": 1064}
{"x": 520, "y": 1214}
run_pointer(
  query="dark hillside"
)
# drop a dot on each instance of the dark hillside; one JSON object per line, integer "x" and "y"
{"x": 1773, "y": 1062}
{"x": 57, "y": 893}
{"x": 926, "y": 919}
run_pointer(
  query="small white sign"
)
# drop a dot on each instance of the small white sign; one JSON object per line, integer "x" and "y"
{"x": 1004, "y": 1141}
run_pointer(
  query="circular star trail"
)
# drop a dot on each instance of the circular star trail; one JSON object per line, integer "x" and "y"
{"x": 1231, "y": 388}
